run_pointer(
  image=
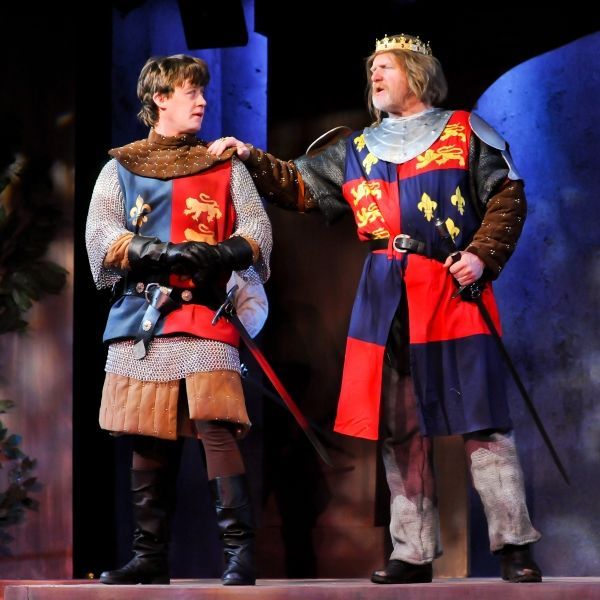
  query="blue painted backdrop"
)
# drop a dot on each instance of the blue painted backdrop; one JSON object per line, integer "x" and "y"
{"x": 236, "y": 94}
{"x": 548, "y": 109}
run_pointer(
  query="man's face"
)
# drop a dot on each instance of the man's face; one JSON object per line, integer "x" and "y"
{"x": 182, "y": 112}
{"x": 389, "y": 87}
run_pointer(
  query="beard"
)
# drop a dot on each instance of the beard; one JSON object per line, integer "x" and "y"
{"x": 379, "y": 103}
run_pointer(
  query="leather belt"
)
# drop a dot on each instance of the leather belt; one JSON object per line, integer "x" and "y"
{"x": 162, "y": 300}
{"x": 182, "y": 295}
{"x": 403, "y": 243}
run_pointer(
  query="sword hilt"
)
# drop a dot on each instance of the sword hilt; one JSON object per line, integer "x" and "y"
{"x": 227, "y": 308}
{"x": 468, "y": 292}
{"x": 447, "y": 240}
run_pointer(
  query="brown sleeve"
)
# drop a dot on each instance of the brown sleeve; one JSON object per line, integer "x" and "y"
{"x": 494, "y": 242}
{"x": 116, "y": 257}
{"x": 279, "y": 181}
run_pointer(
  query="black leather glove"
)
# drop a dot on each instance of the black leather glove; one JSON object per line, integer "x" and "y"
{"x": 188, "y": 258}
{"x": 147, "y": 252}
{"x": 197, "y": 259}
{"x": 235, "y": 253}
{"x": 205, "y": 262}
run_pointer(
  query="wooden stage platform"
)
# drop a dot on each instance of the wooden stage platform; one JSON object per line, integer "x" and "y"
{"x": 553, "y": 588}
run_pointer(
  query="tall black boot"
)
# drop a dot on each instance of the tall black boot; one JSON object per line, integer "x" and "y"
{"x": 236, "y": 525}
{"x": 150, "y": 563}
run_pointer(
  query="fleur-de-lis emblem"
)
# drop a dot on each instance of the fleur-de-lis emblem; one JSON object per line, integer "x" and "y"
{"x": 453, "y": 230}
{"x": 139, "y": 211}
{"x": 359, "y": 142}
{"x": 427, "y": 206}
{"x": 458, "y": 200}
{"x": 369, "y": 161}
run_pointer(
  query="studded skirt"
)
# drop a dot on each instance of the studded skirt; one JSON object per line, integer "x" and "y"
{"x": 161, "y": 409}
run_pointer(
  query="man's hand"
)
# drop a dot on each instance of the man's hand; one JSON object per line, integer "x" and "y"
{"x": 466, "y": 270}
{"x": 219, "y": 146}
{"x": 193, "y": 258}
{"x": 189, "y": 257}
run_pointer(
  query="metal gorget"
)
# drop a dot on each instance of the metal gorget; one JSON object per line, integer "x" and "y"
{"x": 399, "y": 139}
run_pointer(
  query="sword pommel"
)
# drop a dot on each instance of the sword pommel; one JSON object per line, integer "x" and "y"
{"x": 447, "y": 241}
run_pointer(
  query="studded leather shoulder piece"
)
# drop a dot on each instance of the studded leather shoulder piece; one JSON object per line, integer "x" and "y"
{"x": 163, "y": 157}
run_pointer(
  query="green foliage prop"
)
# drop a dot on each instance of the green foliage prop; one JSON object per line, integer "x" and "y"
{"x": 28, "y": 222}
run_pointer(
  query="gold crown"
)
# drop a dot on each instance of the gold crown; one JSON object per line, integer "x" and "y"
{"x": 402, "y": 42}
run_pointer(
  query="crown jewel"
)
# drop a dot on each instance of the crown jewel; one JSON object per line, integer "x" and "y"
{"x": 402, "y": 41}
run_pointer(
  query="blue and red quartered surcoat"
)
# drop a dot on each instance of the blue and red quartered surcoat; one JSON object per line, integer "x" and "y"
{"x": 455, "y": 364}
{"x": 193, "y": 208}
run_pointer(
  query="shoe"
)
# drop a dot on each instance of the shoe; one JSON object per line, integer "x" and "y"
{"x": 398, "y": 571}
{"x": 150, "y": 563}
{"x": 236, "y": 527}
{"x": 139, "y": 570}
{"x": 517, "y": 566}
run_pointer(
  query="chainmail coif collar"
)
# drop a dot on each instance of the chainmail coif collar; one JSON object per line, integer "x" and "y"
{"x": 162, "y": 157}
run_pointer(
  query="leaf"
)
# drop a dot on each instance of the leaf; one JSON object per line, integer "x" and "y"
{"x": 14, "y": 439}
{"x": 21, "y": 300}
{"x": 28, "y": 464}
{"x": 12, "y": 452}
{"x": 6, "y": 405}
{"x": 25, "y": 282}
{"x": 31, "y": 504}
{"x": 51, "y": 277}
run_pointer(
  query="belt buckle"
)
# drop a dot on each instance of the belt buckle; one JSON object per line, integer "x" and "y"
{"x": 163, "y": 288}
{"x": 397, "y": 243}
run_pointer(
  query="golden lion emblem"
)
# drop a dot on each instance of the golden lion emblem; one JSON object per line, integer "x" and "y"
{"x": 196, "y": 207}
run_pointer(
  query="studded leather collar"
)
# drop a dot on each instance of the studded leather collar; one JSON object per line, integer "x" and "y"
{"x": 162, "y": 157}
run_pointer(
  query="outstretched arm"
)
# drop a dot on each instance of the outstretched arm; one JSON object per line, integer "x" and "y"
{"x": 278, "y": 181}
{"x": 307, "y": 183}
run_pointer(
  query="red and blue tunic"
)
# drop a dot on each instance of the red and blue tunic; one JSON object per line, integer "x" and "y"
{"x": 193, "y": 208}
{"x": 455, "y": 364}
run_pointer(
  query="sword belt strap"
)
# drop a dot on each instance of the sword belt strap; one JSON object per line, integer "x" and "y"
{"x": 159, "y": 304}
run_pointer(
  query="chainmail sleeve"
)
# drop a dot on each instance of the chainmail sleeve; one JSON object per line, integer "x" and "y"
{"x": 323, "y": 176}
{"x": 105, "y": 224}
{"x": 501, "y": 204}
{"x": 252, "y": 221}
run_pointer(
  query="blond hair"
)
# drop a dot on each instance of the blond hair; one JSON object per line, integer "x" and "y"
{"x": 424, "y": 74}
{"x": 160, "y": 75}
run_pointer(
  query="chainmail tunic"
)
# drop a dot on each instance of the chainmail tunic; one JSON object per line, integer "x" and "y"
{"x": 171, "y": 357}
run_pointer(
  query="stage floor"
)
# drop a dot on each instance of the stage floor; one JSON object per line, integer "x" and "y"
{"x": 579, "y": 588}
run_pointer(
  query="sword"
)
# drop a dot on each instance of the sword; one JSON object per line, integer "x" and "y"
{"x": 227, "y": 310}
{"x": 473, "y": 292}
{"x": 324, "y": 434}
